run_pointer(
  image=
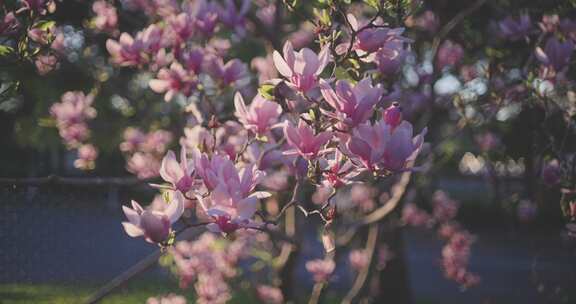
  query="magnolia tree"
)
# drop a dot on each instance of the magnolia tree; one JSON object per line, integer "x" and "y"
{"x": 264, "y": 124}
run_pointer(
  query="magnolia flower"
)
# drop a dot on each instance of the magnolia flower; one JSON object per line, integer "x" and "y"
{"x": 352, "y": 105}
{"x": 173, "y": 81}
{"x": 182, "y": 26}
{"x": 359, "y": 259}
{"x": 232, "y": 201}
{"x": 393, "y": 115}
{"x": 180, "y": 175}
{"x": 369, "y": 40}
{"x": 87, "y": 154}
{"x": 126, "y": 51}
{"x": 267, "y": 14}
{"x": 106, "y": 19}
{"x": 192, "y": 60}
{"x": 302, "y": 68}
{"x": 75, "y": 107}
{"x": 338, "y": 171}
{"x": 229, "y": 73}
{"x": 515, "y": 28}
{"x": 556, "y": 54}
{"x": 444, "y": 207}
{"x": 205, "y": 13}
{"x": 260, "y": 116}
{"x": 270, "y": 294}
{"x": 427, "y": 21}
{"x": 303, "y": 140}
{"x": 199, "y": 138}
{"x": 133, "y": 138}
{"x": 390, "y": 57}
{"x": 41, "y": 35}
{"x": 46, "y": 64}
{"x": 144, "y": 165}
{"x": 414, "y": 216}
{"x": 382, "y": 147}
{"x": 320, "y": 269}
{"x": 129, "y": 51}
{"x": 264, "y": 67}
{"x": 9, "y": 24}
{"x": 449, "y": 54}
{"x": 549, "y": 23}
{"x": 155, "y": 226}
{"x": 233, "y": 17}
{"x": 40, "y": 6}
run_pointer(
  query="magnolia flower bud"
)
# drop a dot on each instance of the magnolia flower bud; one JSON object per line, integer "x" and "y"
{"x": 393, "y": 115}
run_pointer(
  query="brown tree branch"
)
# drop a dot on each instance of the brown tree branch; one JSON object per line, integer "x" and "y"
{"x": 453, "y": 23}
{"x": 363, "y": 274}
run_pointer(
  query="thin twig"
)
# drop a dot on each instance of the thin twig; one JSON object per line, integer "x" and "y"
{"x": 397, "y": 191}
{"x": 137, "y": 268}
{"x": 363, "y": 274}
{"x": 453, "y": 23}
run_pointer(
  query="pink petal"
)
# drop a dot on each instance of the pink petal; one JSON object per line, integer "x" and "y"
{"x": 323, "y": 59}
{"x": 289, "y": 54}
{"x": 175, "y": 208}
{"x": 158, "y": 85}
{"x": 170, "y": 170}
{"x": 241, "y": 111}
{"x": 281, "y": 65}
{"x": 131, "y": 215}
{"x": 132, "y": 230}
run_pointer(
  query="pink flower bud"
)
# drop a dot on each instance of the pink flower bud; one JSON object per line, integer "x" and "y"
{"x": 393, "y": 115}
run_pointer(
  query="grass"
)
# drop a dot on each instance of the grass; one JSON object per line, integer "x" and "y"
{"x": 135, "y": 292}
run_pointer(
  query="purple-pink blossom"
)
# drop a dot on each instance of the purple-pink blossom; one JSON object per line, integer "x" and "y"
{"x": 179, "y": 174}
{"x": 359, "y": 259}
{"x": 352, "y": 105}
{"x": 87, "y": 155}
{"x": 301, "y": 68}
{"x": 556, "y": 54}
{"x": 321, "y": 270}
{"x": 303, "y": 140}
{"x": 380, "y": 146}
{"x": 106, "y": 19}
{"x": 135, "y": 51}
{"x": 390, "y": 57}
{"x": 174, "y": 80}
{"x": 9, "y": 24}
{"x": 232, "y": 201}
{"x": 270, "y": 294}
{"x": 154, "y": 226}
{"x": 260, "y": 116}
{"x": 449, "y": 54}
{"x": 229, "y": 73}
{"x": 515, "y": 28}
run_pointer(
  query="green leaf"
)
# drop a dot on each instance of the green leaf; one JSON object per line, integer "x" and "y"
{"x": 47, "y": 122}
{"x": 267, "y": 91}
{"x": 5, "y": 50}
{"x": 45, "y": 24}
{"x": 373, "y": 3}
{"x": 341, "y": 73}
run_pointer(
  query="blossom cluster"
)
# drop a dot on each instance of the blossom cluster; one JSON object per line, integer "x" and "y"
{"x": 456, "y": 251}
{"x": 144, "y": 151}
{"x": 72, "y": 114}
{"x": 210, "y": 263}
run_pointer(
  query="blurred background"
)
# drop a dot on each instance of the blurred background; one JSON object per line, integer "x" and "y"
{"x": 60, "y": 227}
